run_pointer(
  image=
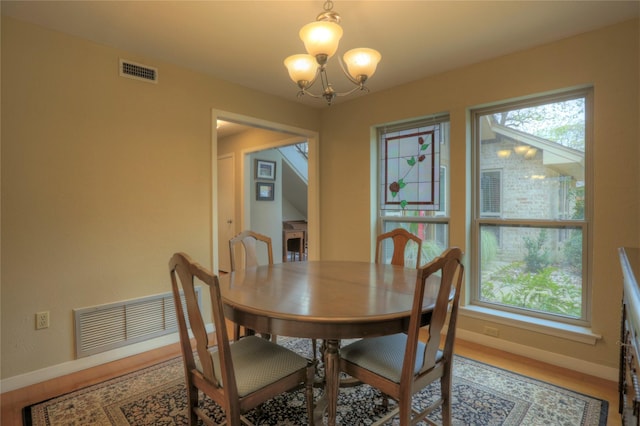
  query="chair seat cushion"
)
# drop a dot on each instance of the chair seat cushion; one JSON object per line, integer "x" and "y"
{"x": 258, "y": 362}
{"x": 383, "y": 355}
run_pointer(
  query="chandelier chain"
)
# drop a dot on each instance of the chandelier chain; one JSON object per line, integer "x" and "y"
{"x": 328, "y": 5}
{"x": 329, "y": 14}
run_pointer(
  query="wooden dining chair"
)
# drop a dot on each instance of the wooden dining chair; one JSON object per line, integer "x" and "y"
{"x": 400, "y": 238}
{"x": 249, "y": 241}
{"x": 401, "y": 365}
{"x": 238, "y": 376}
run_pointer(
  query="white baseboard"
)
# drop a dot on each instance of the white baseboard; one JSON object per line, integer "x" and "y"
{"x": 48, "y": 373}
{"x": 575, "y": 364}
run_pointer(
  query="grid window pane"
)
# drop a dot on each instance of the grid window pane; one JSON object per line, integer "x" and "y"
{"x": 533, "y": 270}
{"x": 532, "y": 161}
{"x": 531, "y": 217}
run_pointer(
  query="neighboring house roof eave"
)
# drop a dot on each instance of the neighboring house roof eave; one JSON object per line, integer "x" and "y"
{"x": 551, "y": 148}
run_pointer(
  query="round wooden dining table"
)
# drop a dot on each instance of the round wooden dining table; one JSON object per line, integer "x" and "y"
{"x": 329, "y": 300}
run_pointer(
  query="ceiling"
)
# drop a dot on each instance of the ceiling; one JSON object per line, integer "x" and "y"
{"x": 246, "y": 41}
{"x": 228, "y": 128}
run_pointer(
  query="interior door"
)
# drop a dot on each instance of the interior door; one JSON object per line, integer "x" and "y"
{"x": 226, "y": 210}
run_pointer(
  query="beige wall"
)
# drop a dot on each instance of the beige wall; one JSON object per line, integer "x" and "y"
{"x": 607, "y": 59}
{"x": 104, "y": 177}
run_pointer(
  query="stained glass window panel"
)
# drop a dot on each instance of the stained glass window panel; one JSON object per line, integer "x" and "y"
{"x": 411, "y": 171}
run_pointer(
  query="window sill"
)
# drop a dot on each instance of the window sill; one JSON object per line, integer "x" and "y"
{"x": 552, "y": 328}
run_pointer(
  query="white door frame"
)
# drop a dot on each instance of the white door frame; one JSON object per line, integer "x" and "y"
{"x": 223, "y": 247}
{"x": 313, "y": 194}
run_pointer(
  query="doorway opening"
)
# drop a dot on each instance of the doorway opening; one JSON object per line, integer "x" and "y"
{"x": 251, "y": 140}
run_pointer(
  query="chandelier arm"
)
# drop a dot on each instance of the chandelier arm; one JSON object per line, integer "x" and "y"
{"x": 325, "y": 85}
{"x": 348, "y": 92}
{"x": 306, "y": 92}
{"x": 332, "y": 94}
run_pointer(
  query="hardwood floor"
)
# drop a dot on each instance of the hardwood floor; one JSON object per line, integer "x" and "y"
{"x": 12, "y": 403}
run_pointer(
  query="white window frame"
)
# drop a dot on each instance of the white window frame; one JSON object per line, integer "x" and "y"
{"x": 438, "y": 217}
{"x": 478, "y": 219}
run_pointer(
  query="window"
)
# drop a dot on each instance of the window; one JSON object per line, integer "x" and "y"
{"x": 530, "y": 215}
{"x": 490, "y": 197}
{"x": 412, "y": 177}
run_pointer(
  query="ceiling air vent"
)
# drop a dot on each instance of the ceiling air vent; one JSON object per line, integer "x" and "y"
{"x": 138, "y": 71}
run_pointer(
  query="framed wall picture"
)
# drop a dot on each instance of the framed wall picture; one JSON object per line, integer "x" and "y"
{"x": 264, "y": 191}
{"x": 265, "y": 169}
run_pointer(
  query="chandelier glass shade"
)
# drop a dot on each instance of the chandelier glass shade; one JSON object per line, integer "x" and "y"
{"x": 362, "y": 62}
{"x": 302, "y": 68}
{"x": 321, "y": 39}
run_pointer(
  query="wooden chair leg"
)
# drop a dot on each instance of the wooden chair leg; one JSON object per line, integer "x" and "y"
{"x": 192, "y": 399}
{"x": 385, "y": 401}
{"x": 404, "y": 411}
{"x": 309, "y": 394}
{"x": 445, "y": 390}
{"x": 314, "y": 350}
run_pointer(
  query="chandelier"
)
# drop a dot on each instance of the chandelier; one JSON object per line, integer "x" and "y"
{"x": 321, "y": 40}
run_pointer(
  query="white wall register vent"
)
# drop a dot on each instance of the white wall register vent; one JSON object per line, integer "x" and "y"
{"x": 105, "y": 327}
{"x": 138, "y": 71}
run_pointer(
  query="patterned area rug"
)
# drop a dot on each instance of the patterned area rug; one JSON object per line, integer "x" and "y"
{"x": 482, "y": 395}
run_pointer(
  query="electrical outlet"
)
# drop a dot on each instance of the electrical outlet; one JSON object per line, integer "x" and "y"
{"x": 42, "y": 320}
{"x": 491, "y": 331}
